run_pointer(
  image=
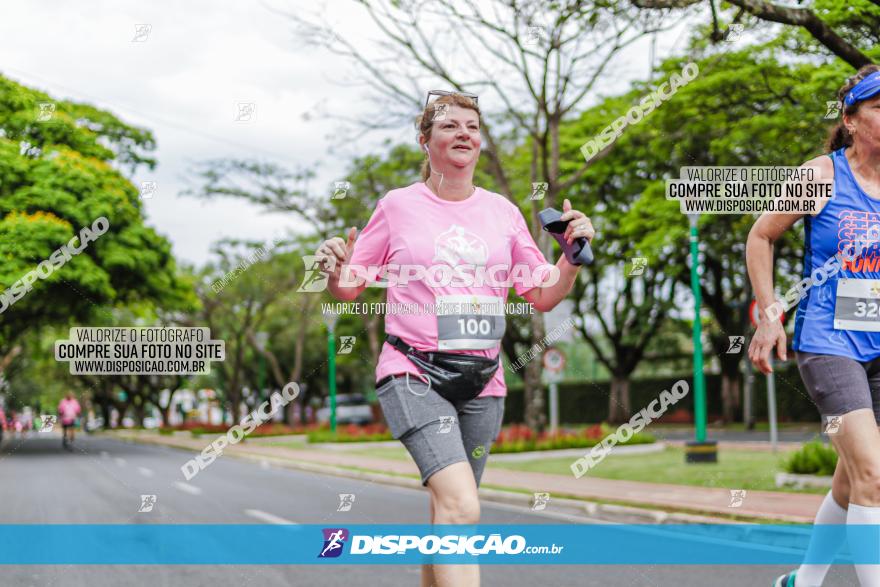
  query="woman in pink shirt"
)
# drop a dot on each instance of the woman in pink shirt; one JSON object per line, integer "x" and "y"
{"x": 68, "y": 412}
{"x": 448, "y": 252}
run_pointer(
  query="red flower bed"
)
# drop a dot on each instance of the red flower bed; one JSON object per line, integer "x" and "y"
{"x": 268, "y": 429}
{"x": 518, "y": 438}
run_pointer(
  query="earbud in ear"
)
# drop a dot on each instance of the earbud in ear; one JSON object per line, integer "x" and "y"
{"x": 425, "y": 147}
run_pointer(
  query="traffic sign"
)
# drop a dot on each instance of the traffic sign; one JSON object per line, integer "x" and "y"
{"x": 554, "y": 360}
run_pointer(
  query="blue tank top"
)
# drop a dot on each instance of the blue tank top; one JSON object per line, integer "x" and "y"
{"x": 843, "y": 220}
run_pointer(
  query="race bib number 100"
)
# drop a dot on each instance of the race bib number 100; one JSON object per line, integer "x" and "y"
{"x": 857, "y": 306}
{"x": 469, "y": 322}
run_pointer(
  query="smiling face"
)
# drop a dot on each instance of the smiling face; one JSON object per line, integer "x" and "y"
{"x": 455, "y": 140}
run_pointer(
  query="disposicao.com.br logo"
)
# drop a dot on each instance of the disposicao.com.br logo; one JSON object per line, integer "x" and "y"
{"x": 402, "y": 544}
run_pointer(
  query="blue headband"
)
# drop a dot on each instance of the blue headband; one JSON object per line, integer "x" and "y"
{"x": 867, "y": 88}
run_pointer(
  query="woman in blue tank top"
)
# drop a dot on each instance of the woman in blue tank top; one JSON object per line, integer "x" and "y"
{"x": 837, "y": 323}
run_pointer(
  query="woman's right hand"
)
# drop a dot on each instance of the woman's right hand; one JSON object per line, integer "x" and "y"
{"x": 769, "y": 334}
{"x": 335, "y": 252}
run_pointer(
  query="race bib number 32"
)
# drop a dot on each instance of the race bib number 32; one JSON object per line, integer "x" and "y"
{"x": 857, "y": 306}
{"x": 467, "y": 322}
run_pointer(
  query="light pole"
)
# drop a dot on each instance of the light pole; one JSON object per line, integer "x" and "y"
{"x": 700, "y": 450}
{"x": 330, "y": 318}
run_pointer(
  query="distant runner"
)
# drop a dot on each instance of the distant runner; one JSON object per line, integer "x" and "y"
{"x": 68, "y": 411}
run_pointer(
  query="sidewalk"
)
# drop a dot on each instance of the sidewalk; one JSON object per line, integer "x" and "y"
{"x": 768, "y": 506}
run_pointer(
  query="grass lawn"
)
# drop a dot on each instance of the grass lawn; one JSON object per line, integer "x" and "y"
{"x": 297, "y": 444}
{"x": 382, "y": 452}
{"x": 735, "y": 469}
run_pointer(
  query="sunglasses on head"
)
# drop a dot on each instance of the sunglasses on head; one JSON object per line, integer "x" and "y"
{"x": 439, "y": 93}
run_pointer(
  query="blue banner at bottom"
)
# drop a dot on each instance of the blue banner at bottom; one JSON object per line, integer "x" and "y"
{"x": 563, "y": 544}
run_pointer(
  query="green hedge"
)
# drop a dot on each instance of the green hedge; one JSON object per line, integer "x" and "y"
{"x": 342, "y": 436}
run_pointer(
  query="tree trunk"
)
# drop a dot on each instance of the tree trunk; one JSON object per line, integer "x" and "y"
{"x": 535, "y": 416}
{"x": 163, "y": 413}
{"x": 730, "y": 396}
{"x": 235, "y": 405}
{"x": 139, "y": 413}
{"x": 619, "y": 406}
{"x": 731, "y": 391}
{"x": 105, "y": 413}
{"x": 6, "y": 358}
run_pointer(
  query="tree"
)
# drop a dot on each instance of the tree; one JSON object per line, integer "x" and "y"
{"x": 744, "y": 109}
{"x": 60, "y": 172}
{"x": 238, "y": 310}
{"x": 849, "y": 30}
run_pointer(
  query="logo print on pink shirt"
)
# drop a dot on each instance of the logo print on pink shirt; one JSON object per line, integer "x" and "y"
{"x": 457, "y": 246}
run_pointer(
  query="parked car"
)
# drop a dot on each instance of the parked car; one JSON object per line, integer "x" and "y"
{"x": 351, "y": 408}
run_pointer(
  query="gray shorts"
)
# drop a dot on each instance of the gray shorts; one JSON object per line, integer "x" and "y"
{"x": 839, "y": 385}
{"x": 436, "y": 432}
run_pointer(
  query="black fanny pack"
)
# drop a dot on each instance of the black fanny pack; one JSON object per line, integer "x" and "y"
{"x": 455, "y": 376}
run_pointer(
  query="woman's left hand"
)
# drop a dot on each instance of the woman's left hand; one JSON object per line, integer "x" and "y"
{"x": 580, "y": 225}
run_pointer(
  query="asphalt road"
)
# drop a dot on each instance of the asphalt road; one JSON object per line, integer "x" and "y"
{"x": 102, "y": 480}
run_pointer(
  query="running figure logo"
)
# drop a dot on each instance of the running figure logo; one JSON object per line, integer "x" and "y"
{"x": 315, "y": 280}
{"x": 142, "y": 33}
{"x": 340, "y": 190}
{"x": 540, "y": 501}
{"x": 737, "y": 496}
{"x": 245, "y": 112}
{"x": 534, "y": 34}
{"x": 446, "y": 423}
{"x": 735, "y": 344}
{"x": 833, "y": 424}
{"x": 734, "y": 32}
{"x": 147, "y": 503}
{"x": 47, "y": 109}
{"x": 440, "y": 112}
{"x": 539, "y": 190}
{"x": 346, "y": 500}
{"x": 638, "y": 266}
{"x": 148, "y": 188}
{"x": 334, "y": 540}
{"x": 47, "y": 422}
{"x": 457, "y": 246}
{"x": 833, "y": 109}
{"x": 346, "y": 344}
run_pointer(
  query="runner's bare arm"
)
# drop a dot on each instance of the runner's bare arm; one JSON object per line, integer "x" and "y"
{"x": 759, "y": 261}
{"x": 545, "y": 299}
{"x": 766, "y": 230}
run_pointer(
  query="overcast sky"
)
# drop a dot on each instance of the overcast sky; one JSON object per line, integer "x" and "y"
{"x": 182, "y": 79}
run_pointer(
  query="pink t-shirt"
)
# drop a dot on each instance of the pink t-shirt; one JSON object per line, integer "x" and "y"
{"x": 68, "y": 409}
{"x": 472, "y": 251}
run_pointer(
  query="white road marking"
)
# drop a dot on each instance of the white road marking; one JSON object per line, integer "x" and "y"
{"x": 191, "y": 489}
{"x": 145, "y": 471}
{"x": 267, "y": 517}
{"x": 120, "y": 461}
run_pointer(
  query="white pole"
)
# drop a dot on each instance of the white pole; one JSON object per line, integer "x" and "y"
{"x": 554, "y": 407}
{"x": 771, "y": 407}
